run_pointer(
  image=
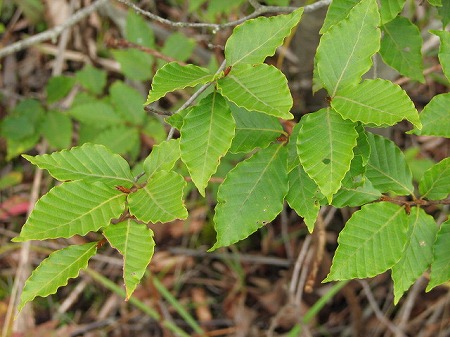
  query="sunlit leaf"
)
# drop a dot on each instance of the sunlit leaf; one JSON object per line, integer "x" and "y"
{"x": 135, "y": 242}
{"x": 89, "y": 162}
{"x": 440, "y": 268}
{"x": 337, "y": 11}
{"x": 72, "y": 208}
{"x": 435, "y": 117}
{"x": 390, "y": 9}
{"x": 435, "y": 183}
{"x": 56, "y": 270}
{"x": 163, "y": 157}
{"x": 251, "y": 195}
{"x": 371, "y": 242}
{"x": 345, "y": 51}
{"x": 206, "y": 136}
{"x": 161, "y": 200}
{"x": 260, "y": 88}
{"x": 418, "y": 254}
{"x": 256, "y": 39}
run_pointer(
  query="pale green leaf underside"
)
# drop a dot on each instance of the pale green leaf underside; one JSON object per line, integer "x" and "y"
{"x": 89, "y": 162}
{"x": 206, "y": 136}
{"x": 345, "y": 51}
{"x": 56, "y": 270}
{"x": 253, "y": 130}
{"x": 371, "y": 242}
{"x": 303, "y": 196}
{"x": 163, "y": 157}
{"x": 390, "y": 9}
{"x": 444, "y": 51}
{"x": 161, "y": 200}
{"x": 378, "y": 102}
{"x": 256, "y": 39}
{"x": 401, "y": 48}
{"x": 435, "y": 183}
{"x": 134, "y": 241}
{"x": 173, "y": 76}
{"x": 387, "y": 168}
{"x": 72, "y": 208}
{"x": 440, "y": 268}
{"x": 435, "y": 117}
{"x": 260, "y": 88}
{"x": 337, "y": 11}
{"x": 251, "y": 195}
{"x": 325, "y": 147}
{"x": 418, "y": 253}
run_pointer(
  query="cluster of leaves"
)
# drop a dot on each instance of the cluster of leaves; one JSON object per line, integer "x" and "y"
{"x": 329, "y": 158}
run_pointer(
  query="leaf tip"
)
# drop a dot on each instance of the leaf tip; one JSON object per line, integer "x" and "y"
{"x": 18, "y": 239}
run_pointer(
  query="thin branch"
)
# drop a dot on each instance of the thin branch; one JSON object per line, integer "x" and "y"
{"x": 259, "y": 10}
{"x": 53, "y": 33}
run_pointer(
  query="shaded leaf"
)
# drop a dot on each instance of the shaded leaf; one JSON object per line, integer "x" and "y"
{"x": 378, "y": 102}
{"x": 89, "y": 162}
{"x": 444, "y": 50}
{"x": 56, "y": 270}
{"x": 345, "y": 51}
{"x": 72, "y": 208}
{"x": 58, "y": 87}
{"x": 134, "y": 64}
{"x": 58, "y": 129}
{"x": 440, "y": 268}
{"x": 137, "y": 30}
{"x": 387, "y": 168}
{"x": 161, "y": 200}
{"x": 435, "y": 117}
{"x": 163, "y": 157}
{"x": 435, "y": 183}
{"x": 356, "y": 195}
{"x": 256, "y": 39}
{"x": 92, "y": 79}
{"x": 135, "y": 242}
{"x": 251, "y": 195}
{"x": 206, "y": 136}
{"x": 260, "y": 88}
{"x": 96, "y": 113}
{"x": 173, "y": 76}
{"x": 390, "y": 9}
{"x": 401, "y": 48}
{"x": 303, "y": 196}
{"x": 371, "y": 242}
{"x": 178, "y": 46}
{"x": 119, "y": 139}
{"x": 444, "y": 12}
{"x": 127, "y": 102}
{"x": 325, "y": 147}
{"x": 417, "y": 255}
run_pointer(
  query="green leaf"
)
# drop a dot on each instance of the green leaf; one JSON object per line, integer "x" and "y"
{"x": 206, "y": 136}
{"x": 178, "y": 46}
{"x": 303, "y": 196}
{"x": 176, "y": 120}
{"x": 127, "y": 102}
{"x": 435, "y": 2}
{"x": 390, "y": 9}
{"x": 417, "y": 255}
{"x": 56, "y": 270}
{"x": 260, "y": 88}
{"x": 356, "y": 195}
{"x": 440, "y": 268}
{"x": 435, "y": 183}
{"x": 24, "y": 122}
{"x": 96, "y": 113}
{"x": 444, "y": 50}
{"x": 435, "y": 117}
{"x": 253, "y": 130}
{"x": 401, "y": 48}
{"x": 387, "y": 168}
{"x": 345, "y": 51}
{"x": 337, "y": 11}
{"x": 444, "y": 12}
{"x": 72, "y": 208}
{"x": 137, "y": 30}
{"x": 325, "y": 147}
{"x": 161, "y": 200}
{"x": 58, "y": 129}
{"x": 173, "y": 76}
{"x": 163, "y": 157}
{"x": 89, "y": 162}
{"x": 119, "y": 139}
{"x": 135, "y": 242}
{"x": 251, "y": 195}
{"x": 378, "y": 102}
{"x": 371, "y": 242}
{"x": 256, "y": 39}
{"x": 92, "y": 79}
{"x": 135, "y": 64}
{"x": 58, "y": 87}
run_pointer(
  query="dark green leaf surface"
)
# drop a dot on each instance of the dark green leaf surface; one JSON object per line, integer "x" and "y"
{"x": 251, "y": 195}
{"x": 92, "y": 79}
{"x": 371, "y": 242}
{"x": 435, "y": 183}
{"x": 444, "y": 50}
{"x": 72, "y": 208}
{"x": 135, "y": 242}
{"x": 56, "y": 270}
{"x": 58, "y": 129}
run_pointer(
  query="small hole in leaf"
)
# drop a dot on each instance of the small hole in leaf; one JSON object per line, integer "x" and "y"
{"x": 326, "y": 161}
